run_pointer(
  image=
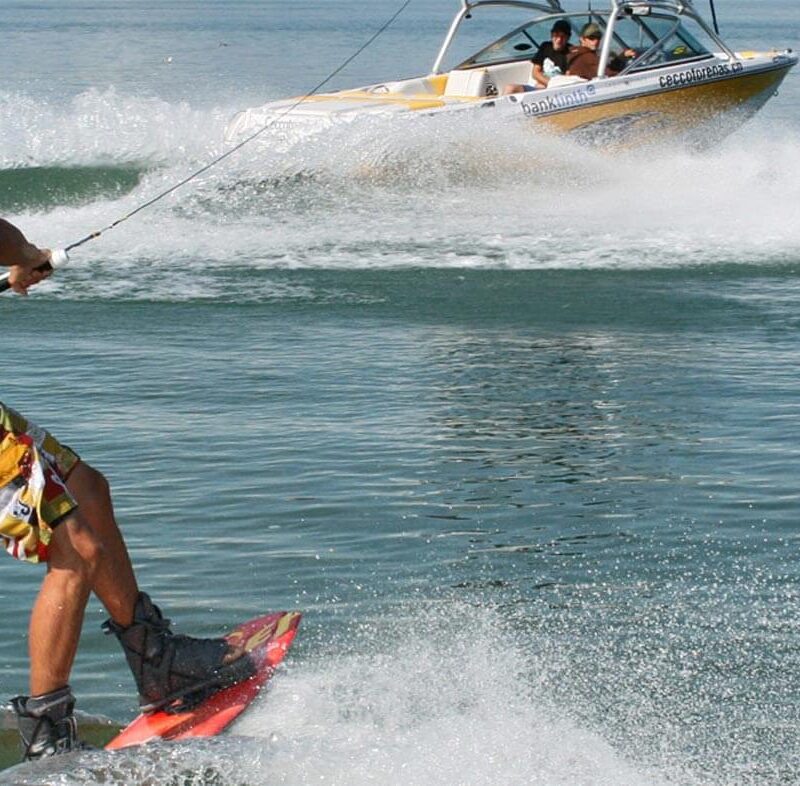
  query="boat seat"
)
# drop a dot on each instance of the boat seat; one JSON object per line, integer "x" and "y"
{"x": 472, "y": 83}
{"x": 490, "y": 81}
{"x": 431, "y": 85}
{"x": 518, "y": 73}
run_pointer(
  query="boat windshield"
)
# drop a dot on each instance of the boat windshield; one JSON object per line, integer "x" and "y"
{"x": 657, "y": 38}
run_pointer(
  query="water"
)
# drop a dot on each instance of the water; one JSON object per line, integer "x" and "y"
{"x": 515, "y": 424}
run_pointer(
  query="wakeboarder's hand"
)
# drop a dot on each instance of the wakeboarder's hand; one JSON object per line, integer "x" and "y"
{"x": 24, "y": 274}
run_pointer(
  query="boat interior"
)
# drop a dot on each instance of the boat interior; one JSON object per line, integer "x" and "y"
{"x": 659, "y": 36}
{"x": 473, "y": 82}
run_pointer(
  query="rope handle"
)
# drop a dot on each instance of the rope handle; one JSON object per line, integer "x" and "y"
{"x": 58, "y": 258}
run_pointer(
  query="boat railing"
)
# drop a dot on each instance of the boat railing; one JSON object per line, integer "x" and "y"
{"x": 681, "y": 8}
{"x": 678, "y": 7}
{"x": 467, "y": 6}
{"x": 643, "y": 56}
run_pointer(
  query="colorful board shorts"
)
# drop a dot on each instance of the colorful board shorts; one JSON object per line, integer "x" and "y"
{"x": 33, "y": 498}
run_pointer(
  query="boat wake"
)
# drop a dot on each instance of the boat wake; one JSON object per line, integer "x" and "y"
{"x": 383, "y": 193}
{"x": 101, "y": 128}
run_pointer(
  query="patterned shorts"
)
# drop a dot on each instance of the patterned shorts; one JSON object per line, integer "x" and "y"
{"x": 33, "y": 498}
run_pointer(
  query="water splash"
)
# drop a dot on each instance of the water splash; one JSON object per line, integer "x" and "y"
{"x": 434, "y": 696}
{"x": 425, "y": 192}
{"x": 101, "y": 128}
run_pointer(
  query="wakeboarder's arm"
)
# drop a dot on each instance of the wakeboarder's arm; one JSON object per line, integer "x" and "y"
{"x": 22, "y": 258}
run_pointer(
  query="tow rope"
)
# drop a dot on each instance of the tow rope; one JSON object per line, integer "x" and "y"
{"x": 60, "y": 256}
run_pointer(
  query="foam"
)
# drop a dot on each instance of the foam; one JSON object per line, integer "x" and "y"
{"x": 425, "y": 192}
{"x": 426, "y": 696}
{"x": 103, "y": 127}
{"x": 446, "y": 697}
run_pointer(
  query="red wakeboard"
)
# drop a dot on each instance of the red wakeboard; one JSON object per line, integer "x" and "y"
{"x": 266, "y": 639}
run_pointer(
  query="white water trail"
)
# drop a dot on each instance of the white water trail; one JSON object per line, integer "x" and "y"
{"x": 426, "y": 192}
{"x": 104, "y": 128}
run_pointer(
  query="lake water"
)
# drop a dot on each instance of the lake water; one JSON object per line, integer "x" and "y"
{"x": 514, "y": 423}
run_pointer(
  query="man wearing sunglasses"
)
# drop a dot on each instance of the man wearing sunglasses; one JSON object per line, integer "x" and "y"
{"x": 584, "y": 60}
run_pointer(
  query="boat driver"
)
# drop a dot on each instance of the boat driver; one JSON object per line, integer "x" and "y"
{"x": 56, "y": 509}
{"x": 584, "y": 60}
{"x": 550, "y": 59}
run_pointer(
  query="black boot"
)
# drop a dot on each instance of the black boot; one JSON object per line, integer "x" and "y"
{"x": 46, "y": 724}
{"x": 173, "y": 672}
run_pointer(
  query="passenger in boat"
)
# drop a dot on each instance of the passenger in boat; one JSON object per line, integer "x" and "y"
{"x": 556, "y": 51}
{"x": 584, "y": 60}
{"x": 550, "y": 59}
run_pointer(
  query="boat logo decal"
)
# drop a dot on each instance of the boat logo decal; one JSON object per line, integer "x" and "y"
{"x": 577, "y": 97}
{"x": 700, "y": 74}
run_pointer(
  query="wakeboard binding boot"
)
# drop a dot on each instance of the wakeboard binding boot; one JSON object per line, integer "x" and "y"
{"x": 175, "y": 673}
{"x": 47, "y": 724}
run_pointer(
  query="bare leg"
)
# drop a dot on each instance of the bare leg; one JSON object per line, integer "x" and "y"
{"x": 57, "y": 615}
{"x": 87, "y": 553}
{"x": 114, "y": 582}
{"x": 83, "y": 557}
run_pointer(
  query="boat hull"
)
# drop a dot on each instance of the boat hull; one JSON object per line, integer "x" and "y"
{"x": 703, "y": 113}
{"x": 700, "y": 103}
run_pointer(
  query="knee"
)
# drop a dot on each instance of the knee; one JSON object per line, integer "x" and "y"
{"x": 91, "y": 491}
{"x": 76, "y": 549}
{"x": 87, "y": 544}
{"x": 89, "y": 483}
{"x": 74, "y": 578}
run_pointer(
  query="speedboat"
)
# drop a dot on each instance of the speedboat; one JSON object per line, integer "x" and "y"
{"x": 681, "y": 80}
